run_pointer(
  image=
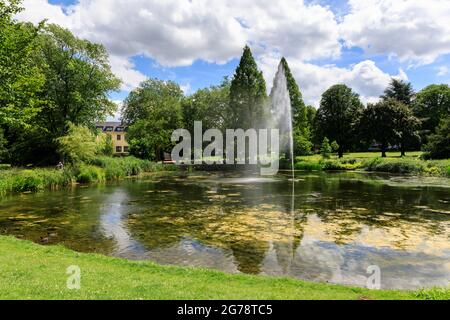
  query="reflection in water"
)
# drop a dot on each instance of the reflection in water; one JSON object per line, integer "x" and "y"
{"x": 338, "y": 225}
{"x": 112, "y": 214}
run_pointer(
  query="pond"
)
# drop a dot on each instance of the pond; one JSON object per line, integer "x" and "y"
{"x": 320, "y": 227}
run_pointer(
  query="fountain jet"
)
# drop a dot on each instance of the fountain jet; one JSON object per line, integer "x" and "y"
{"x": 281, "y": 114}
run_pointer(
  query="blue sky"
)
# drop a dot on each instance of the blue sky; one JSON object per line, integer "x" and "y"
{"x": 196, "y": 43}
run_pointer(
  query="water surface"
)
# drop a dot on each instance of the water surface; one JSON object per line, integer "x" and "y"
{"x": 329, "y": 227}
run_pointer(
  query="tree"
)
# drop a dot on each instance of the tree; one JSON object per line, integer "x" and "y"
{"x": 247, "y": 94}
{"x": 400, "y": 91}
{"x": 438, "y": 146}
{"x": 335, "y": 146}
{"x": 432, "y": 104}
{"x": 76, "y": 88}
{"x": 338, "y": 115}
{"x": 20, "y": 78}
{"x": 105, "y": 144}
{"x": 153, "y": 112}
{"x": 78, "y": 81}
{"x": 406, "y": 128}
{"x": 326, "y": 150}
{"x": 378, "y": 124}
{"x": 389, "y": 122}
{"x": 79, "y": 145}
{"x": 3, "y": 149}
{"x": 209, "y": 105}
{"x": 302, "y": 131}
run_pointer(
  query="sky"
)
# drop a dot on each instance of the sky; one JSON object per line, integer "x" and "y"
{"x": 198, "y": 42}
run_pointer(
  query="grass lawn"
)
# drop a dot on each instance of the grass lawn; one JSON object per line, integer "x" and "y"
{"x": 365, "y": 155}
{"x": 31, "y": 271}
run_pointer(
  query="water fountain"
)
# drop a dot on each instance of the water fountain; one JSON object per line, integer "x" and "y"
{"x": 281, "y": 114}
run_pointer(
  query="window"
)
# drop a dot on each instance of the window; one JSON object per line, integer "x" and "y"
{"x": 126, "y": 149}
{"x": 118, "y": 149}
{"x": 119, "y": 137}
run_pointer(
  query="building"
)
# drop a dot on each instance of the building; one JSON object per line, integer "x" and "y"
{"x": 118, "y": 133}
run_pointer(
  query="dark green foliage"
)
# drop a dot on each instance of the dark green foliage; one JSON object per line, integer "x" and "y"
{"x": 248, "y": 95}
{"x": 400, "y": 91}
{"x": 3, "y": 149}
{"x": 338, "y": 116}
{"x": 431, "y": 105}
{"x": 438, "y": 146}
{"x": 325, "y": 149}
{"x": 394, "y": 166}
{"x": 389, "y": 122}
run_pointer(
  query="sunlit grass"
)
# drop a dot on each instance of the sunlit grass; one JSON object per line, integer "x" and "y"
{"x": 30, "y": 271}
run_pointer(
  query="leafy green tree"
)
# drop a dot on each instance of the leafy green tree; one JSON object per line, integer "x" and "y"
{"x": 302, "y": 143}
{"x": 438, "y": 146}
{"x": 248, "y": 96}
{"x": 401, "y": 91}
{"x": 326, "y": 149}
{"x": 378, "y": 124}
{"x": 152, "y": 112}
{"x": 20, "y": 78}
{"x": 78, "y": 81}
{"x": 389, "y": 122}
{"x": 406, "y": 128}
{"x": 3, "y": 149}
{"x": 208, "y": 105}
{"x": 338, "y": 116}
{"x": 335, "y": 146}
{"x": 79, "y": 145}
{"x": 431, "y": 105}
{"x": 105, "y": 144}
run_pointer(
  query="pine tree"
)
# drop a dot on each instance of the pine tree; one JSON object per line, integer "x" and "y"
{"x": 248, "y": 94}
{"x": 401, "y": 91}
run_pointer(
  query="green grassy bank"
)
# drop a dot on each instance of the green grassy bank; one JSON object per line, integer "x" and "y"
{"x": 16, "y": 180}
{"x": 412, "y": 164}
{"x": 31, "y": 271}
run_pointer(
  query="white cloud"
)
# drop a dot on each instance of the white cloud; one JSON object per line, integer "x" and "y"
{"x": 442, "y": 71}
{"x": 413, "y": 30}
{"x": 365, "y": 78}
{"x": 176, "y": 33}
{"x": 125, "y": 70}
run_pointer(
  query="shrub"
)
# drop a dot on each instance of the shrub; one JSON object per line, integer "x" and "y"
{"x": 5, "y": 167}
{"x": 326, "y": 150}
{"x": 308, "y": 166}
{"x": 34, "y": 180}
{"x": 80, "y": 144}
{"x": 90, "y": 174}
{"x": 438, "y": 146}
{"x": 394, "y": 166}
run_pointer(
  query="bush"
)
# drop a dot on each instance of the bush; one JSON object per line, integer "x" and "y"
{"x": 394, "y": 166}
{"x": 99, "y": 170}
{"x": 326, "y": 150}
{"x": 34, "y": 180}
{"x": 438, "y": 146}
{"x": 308, "y": 166}
{"x": 5, "y": 167}
{"x": 90, "y": 174}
